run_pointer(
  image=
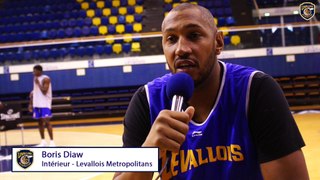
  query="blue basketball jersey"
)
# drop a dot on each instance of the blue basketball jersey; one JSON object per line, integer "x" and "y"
{"x": 221, "y": 147}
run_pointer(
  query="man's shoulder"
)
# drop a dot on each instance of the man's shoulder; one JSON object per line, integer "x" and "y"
{"x": 159, "y": 81}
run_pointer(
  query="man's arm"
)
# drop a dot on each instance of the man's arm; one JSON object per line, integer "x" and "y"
{"x": 167, "y": 132}
{"x": 44, "y": 86}
{"x": 137, "y": 125}
{"x": 291, "y": 167}
{"x": 274, "y": 131}
{"x": 30, "y": 101}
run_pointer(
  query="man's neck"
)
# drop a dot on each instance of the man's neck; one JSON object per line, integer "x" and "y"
{"x": 205, "y": 95}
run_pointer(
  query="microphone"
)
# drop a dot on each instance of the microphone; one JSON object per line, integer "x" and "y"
{"x": 179, "y": 88}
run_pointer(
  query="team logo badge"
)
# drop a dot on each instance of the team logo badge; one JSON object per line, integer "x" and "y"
{"x": 24, "y": 158}
{"x": 307, "y": 10}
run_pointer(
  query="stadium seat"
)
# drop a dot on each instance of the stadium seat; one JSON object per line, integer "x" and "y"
{"x": 217, "y": 4}
{"x": 98, "y": 12}
{"x": 89, "y": 51}
{"x": 138, "y": 18}
{"x": 116, "y": 3}
{"x": 103, "y": 30}
{"x": 129, "y": 18}
{"x": 104, "y": 20}
{"x": 109, "y": 39}
{"x": 168, "y": 1}
{"x": 85, "y": 5}
{"x": 113, "y": 20}
{"x": 123, "y": 3}
{"x": 108, "y": 49}
{"x": 100, "y": 4}
{"x": 69, "y": 32}
{"x": 27, "y": 55}
{"x": 80, "y": 51}
{"x": 85, "y": 30}
{"x": 106, "y": 11}
{"x": 235, "y": 40}
{"x": 135, "y": 47}
{"x": 129, "y": 28}
{"x": 92, "y": 5}
{"x": 221, "y": 21}
{"x": 94, "y": 31}
{"x": 215, "y": 20}
{"x": 77, "y": 32}
{"x": 120, "y": 28}
{"x": 167, "y": 7}
{"x": 64, "y": 23}
{"x": 130, "y": 10}
{"x": 137, "y": 27}
{"x": 96, "y": 21}
{"x": 114, "y": 11}
{"x": 90, "y": 13}
{"x": 219, "y": 12}
{"x": 121, "y": 19}
{"x": 138, "y": 9}
{"x": 80, "y": 1}
{"x": 61, "y": 33}
{"x": 72, "y": 22}
{"x": 53, "y": 53}
{"x": 87, "y": 21}
{"x": 52, "y": 34}
{"x": 228, "y": 11}
{"x": 117, "y": 48}
{"x": 131, "y": 2}
{"x": 99, "y": 49}
{"x": 209, "y": 4}
{"x": 123, "y": 10}
{"x": 79, "y": 23}
{"x": 126, "y": 47}
{"x": 111, "y": 29}
{"x": 44, "y": 54}
{"x": 127, "y": 38}
{"x": 175, "y": 5}
{"x": 226, "y": 40}
{"x": 140, "y": 2}
{"x": 224, "y": 30}
{"x": 72, "y": 51}
{"x": 230, "y": 21}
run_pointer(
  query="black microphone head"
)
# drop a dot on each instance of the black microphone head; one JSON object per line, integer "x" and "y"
{"x": 180, "y": 84}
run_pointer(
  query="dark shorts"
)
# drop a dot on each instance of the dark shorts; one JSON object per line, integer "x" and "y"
{"x": 41, "y": 113}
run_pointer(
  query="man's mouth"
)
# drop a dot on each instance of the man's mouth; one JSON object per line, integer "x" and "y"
{"x": 185, "y": 64}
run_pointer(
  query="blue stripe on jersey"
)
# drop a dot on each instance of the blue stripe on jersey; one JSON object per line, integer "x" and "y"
{"x": 221, "y": 147}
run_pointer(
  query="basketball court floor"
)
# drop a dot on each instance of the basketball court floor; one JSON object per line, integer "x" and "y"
{"x": 110, "y": 135}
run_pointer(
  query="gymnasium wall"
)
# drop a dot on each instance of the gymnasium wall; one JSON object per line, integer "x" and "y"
{"x": 114, "y": 76}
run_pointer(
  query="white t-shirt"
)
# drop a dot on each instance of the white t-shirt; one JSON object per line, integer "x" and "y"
{"x": 39, "y": 99}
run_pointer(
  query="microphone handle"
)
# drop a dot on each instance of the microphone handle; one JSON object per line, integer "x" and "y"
{"x": 177, "y": 102}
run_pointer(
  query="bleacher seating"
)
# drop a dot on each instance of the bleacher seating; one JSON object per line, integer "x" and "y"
{"x": 301, "y": 90}
{"x": 279, "y": 3}
{"x": 47, "y": 20}
{"x": 81, "y": 103}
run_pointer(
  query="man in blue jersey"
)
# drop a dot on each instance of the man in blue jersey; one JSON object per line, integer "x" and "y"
{"x": 236, "y": 125}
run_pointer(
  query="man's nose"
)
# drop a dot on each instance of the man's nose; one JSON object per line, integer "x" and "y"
{"x": 183, "y": 47}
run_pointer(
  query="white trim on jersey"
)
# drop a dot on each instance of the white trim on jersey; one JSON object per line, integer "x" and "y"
{"x": 147, "y": 93}
{"x": 248, "y": 91}
{"x": 218, "y": 97}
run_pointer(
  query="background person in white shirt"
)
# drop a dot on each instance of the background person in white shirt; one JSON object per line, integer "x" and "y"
{"x": 40, "y": 103}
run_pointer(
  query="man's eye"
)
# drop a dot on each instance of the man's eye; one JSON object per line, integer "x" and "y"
{"x": 171, "y": 39}
{"x": 194, "y": 36}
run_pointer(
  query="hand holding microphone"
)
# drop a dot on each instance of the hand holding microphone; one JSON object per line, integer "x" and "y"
{"x": 169, "y": 130}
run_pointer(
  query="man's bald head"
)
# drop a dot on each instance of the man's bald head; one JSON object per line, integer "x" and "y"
{"x": 205, "y": 13}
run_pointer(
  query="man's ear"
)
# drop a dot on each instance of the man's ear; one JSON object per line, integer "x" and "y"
{"x": 219, "y": 42}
